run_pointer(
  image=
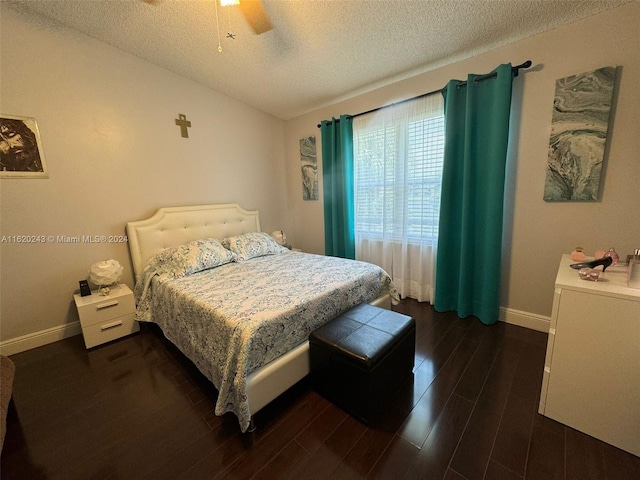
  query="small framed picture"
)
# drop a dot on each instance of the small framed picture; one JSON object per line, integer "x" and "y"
{"x": 21, "y": 154}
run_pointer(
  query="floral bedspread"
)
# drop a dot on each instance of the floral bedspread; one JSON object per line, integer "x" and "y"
{"x": 235, "y": 318}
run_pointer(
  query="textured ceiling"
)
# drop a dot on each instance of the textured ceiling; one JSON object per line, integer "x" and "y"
{"x": 318, "y": 51}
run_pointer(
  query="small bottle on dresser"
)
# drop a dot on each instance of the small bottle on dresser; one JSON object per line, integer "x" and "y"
{"x": 614, "y": 256}
{"x": 578, "y": 255}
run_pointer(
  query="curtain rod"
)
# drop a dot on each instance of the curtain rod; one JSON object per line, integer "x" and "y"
{"x": 514, "y": 72}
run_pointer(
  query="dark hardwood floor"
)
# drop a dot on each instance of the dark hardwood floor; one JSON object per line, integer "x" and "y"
{"x": 137, "y": 409}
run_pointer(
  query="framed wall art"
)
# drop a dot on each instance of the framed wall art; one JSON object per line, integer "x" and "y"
{"x": 21, "y": 154}
{"x": 309, "y": 168}
{"x": 579, "y": 133}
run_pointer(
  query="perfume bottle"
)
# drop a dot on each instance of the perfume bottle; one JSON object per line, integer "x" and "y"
{"x": 578, "y": 255}
{"x": 614, "y": 256}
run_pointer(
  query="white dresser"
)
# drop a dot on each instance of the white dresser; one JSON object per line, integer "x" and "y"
{"x": 105, "y": 318}
{"x": 591, "y": 376}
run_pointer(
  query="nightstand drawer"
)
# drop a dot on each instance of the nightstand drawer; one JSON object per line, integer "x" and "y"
{"x": 109, "y": 329}
{"x": 105, "y": 309}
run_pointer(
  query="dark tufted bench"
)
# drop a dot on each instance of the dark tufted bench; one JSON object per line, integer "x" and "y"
{"x": 359, "y": 359}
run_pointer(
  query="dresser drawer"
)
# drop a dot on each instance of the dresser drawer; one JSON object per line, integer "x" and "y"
{"x": 109, "y": 329}
{"x": 105, "y": 309}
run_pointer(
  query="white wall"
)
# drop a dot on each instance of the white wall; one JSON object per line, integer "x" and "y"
{"x": 536, "y": 233}
{"x": 114, "y": 153}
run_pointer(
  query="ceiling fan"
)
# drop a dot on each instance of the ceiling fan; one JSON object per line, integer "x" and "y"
{"x": 255, "y": 15}
{"x": 253, "y": 12}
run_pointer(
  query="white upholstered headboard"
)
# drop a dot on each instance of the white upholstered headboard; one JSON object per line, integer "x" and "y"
{"x": 173, "y": 226}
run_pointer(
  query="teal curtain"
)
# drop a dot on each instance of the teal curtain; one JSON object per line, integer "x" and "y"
{"x": 468, "y": 263}
{"x": 337, "y": 187}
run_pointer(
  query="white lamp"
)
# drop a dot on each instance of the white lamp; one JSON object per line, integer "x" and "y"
{"x": 105, "y": 273}
{"x": 279, "y": 237}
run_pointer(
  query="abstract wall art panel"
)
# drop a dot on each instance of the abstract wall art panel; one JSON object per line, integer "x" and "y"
{"x": 309, "y": 167}
{"x": 579, "y": 130}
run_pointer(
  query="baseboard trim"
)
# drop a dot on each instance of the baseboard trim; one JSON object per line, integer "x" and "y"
{"x": 38, "y": 339}
{"x": 50, "y": 335}
{"x": 525, "y": 319}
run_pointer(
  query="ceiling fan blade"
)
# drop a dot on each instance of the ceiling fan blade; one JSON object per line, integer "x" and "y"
{"x": 256, "y": 16}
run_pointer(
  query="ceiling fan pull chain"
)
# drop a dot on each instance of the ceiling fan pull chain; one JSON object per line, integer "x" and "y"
{"x": 218, "y": 27}
{"x": 230, "y": 34}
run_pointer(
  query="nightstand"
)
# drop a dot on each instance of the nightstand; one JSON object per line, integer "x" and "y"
{"x": 106, "y": 317}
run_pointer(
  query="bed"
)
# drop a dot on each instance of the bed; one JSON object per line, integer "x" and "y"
{"x": 245, "y": 321}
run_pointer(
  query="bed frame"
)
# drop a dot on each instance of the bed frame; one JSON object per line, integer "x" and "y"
{"x": 174, "y": 226}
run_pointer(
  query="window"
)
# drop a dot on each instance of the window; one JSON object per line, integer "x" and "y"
{"x": 398, "y": 156}
{"x": 398, "y": 173}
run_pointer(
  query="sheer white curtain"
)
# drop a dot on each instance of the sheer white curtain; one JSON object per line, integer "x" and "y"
{"x": 398, "y": 153}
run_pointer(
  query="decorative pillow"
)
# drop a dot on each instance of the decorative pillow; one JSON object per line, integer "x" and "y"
{"x": 251, "y": 245}
{"x": 190, "y": 258}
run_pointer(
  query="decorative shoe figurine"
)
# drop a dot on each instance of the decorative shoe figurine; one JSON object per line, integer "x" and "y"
{"x": 605, "y": 262}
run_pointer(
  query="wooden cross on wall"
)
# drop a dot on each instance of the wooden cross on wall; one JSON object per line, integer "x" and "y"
{"x": 183, "y": 123}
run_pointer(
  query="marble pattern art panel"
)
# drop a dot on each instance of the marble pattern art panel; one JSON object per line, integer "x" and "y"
{"x": 579, "y": 128}
{"x": 309, "y": 168}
